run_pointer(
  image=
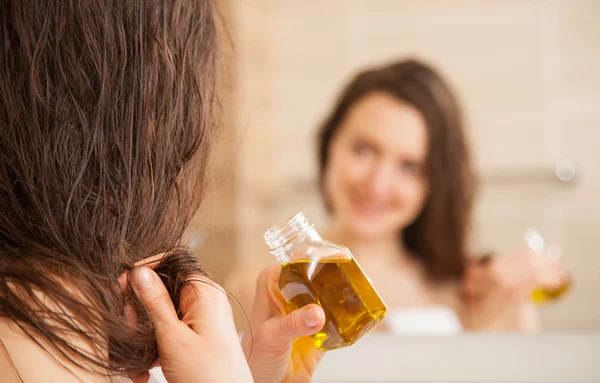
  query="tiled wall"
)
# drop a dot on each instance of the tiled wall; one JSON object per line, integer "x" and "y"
{"x": 528, "y": 73}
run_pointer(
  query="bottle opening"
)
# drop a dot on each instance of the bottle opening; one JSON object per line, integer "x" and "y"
{"x": 286, "y": 231}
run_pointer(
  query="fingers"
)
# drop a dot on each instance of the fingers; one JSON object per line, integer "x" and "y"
{"x": 476, "y": 282}
{"x": 205, "y": 307}
{"x": 515, "y": 274}
{"x": 143, "y": 378}
{"x": 149, "y": 262}
{"x": 155, "y": 298}
{"x": 277, "y": 333}
{"x": 549, "y": 273}
{"x": 267, "y": 299}
{"x": 130, "y": 315}
{"x": 203, "y": 303}
{"x": 207, "y": 312}
{"x": 530, "y": 269}
{"x": 499, "y": 279}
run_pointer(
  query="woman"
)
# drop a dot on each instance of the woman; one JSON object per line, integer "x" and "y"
{"x": 107, "y": 114}
{"x": 396, "y": 178}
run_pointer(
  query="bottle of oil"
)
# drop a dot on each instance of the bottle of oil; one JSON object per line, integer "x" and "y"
{"x": 543, "y": 295}
{"x": 317, "y": 271}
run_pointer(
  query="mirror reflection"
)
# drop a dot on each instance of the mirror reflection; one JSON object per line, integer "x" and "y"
{"x": 448, "y": 145}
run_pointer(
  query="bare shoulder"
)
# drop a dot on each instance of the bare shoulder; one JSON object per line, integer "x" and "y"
{"x": 26, "y": 361}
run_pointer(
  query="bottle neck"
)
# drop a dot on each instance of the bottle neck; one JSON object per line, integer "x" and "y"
{"x": 283, "y": 237}
{"x": 285, "y": 253}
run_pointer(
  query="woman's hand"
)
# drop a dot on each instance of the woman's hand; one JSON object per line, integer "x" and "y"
{"x": 279, "y": 350}
{"x": 203, "y": 346}
{"x": 497, "y": 290}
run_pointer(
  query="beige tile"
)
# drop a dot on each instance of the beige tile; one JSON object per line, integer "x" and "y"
{"x": 579, "y": 308}
{"x": 526, "y": 71}
{"x": 443, "y": 6}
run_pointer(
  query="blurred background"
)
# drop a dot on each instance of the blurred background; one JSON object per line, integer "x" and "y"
{"x": 526, "y": 72}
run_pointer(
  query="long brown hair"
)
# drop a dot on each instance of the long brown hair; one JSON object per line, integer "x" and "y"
{"x": 107, "y": 112}
{"x": 438, "y": 237}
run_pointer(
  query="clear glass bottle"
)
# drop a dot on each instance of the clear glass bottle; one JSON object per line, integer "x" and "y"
{"x": 321, "y": 272}
{"x": 543, "y": 295}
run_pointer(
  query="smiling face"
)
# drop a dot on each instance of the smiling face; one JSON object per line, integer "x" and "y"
{"x": 375, "y": 178}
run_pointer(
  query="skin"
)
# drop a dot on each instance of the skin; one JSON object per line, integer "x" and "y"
{"x": 376, "y": 178}
{"x": 376, "y": 184}
{"x": 207, "y": 333}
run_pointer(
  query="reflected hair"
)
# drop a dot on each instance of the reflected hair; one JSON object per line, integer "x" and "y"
{"x": 439, "y": 235}
{"x": 107, "y": 114}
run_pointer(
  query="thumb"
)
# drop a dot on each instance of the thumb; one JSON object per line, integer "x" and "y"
{"x": 155, "y": 298}
{"x": 279, "y": 331}
{"x": 144, "y": 378}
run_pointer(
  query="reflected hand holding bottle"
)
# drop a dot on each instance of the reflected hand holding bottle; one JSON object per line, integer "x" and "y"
{"x": 280, "y": 350}
{"x": 498, "y": 289}
{"x": 544, "y": 294}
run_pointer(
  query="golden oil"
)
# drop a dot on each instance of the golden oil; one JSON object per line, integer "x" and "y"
{"x": 536, "y": 242}
{"x": 351, "y": 304}
{"x": 541, "y": 295}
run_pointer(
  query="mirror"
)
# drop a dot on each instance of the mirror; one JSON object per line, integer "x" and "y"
{"x": 525, "y": 75}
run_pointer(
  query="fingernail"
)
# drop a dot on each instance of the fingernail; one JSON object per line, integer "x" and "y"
{"x": 142, "y": 278}
{"x": 312, "y": 317}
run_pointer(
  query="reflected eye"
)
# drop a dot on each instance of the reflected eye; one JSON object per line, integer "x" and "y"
{"x": 411, "y": 168}
{"x": 362, "y": 149}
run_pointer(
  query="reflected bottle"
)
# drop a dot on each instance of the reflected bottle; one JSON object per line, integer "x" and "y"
{"x": 321, "y": 272}
{"x": 542, "y": 295}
